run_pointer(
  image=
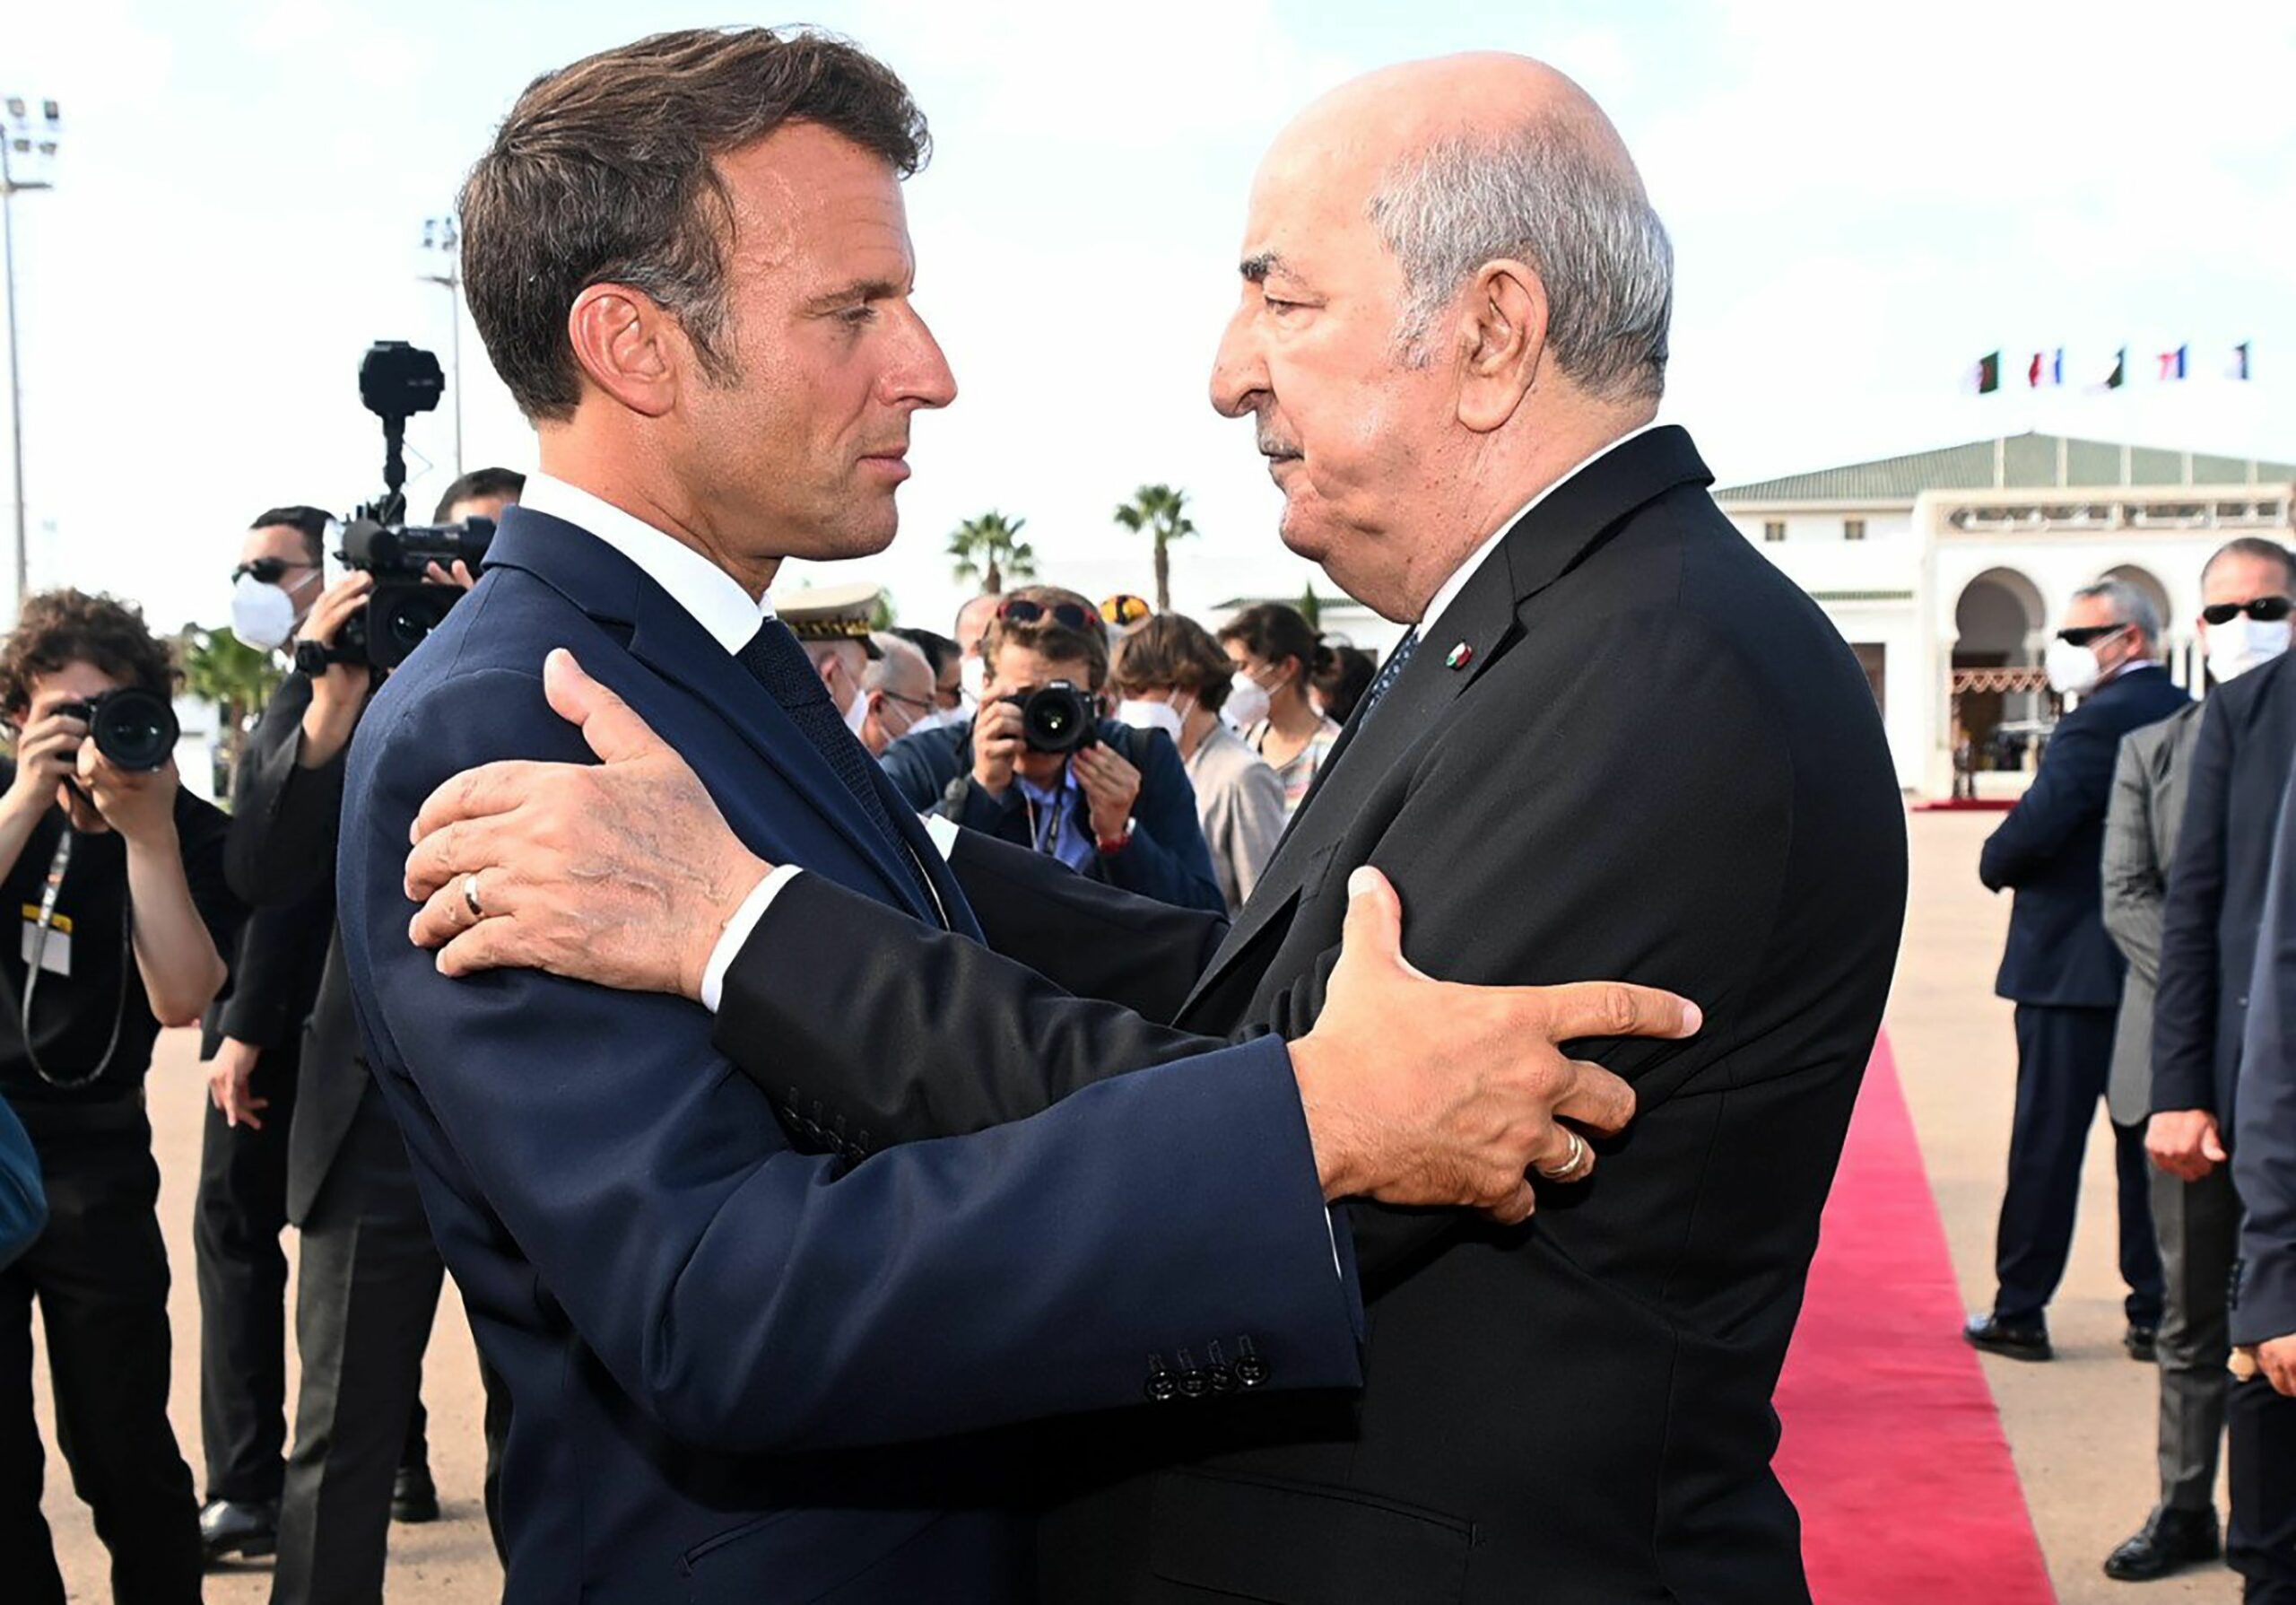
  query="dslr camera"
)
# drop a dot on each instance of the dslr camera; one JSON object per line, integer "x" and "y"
{"x": 397, "y": 380}
{"x": 135, "y": 728}
{"x": 1057, "y": 718}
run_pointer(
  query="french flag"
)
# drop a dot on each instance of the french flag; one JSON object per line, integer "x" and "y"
{"x": 2172, "y": 363}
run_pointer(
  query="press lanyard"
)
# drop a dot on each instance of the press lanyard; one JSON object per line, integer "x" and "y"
{"x": 46, "y": 923}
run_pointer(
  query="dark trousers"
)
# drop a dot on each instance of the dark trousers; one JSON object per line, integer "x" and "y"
{"x": 2198, "y": 1224}
{"x": 2260, "y": 1539}
{"x": 99, "y": 1273}
{"x": 235, "y": 1227}
{"x": 369, "y": 1289}
{"x": 2064, "y": 1056}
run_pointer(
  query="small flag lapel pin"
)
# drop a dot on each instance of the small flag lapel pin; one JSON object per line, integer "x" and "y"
{"x": 1460, "y": 657}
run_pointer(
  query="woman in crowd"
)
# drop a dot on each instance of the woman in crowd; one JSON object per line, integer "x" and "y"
{"x": 1173, "y": 676}
{"x": 1276, "y": 651}
{"x": 1334, "y": 688}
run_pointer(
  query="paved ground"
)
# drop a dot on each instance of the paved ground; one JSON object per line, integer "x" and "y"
{"x": 2081, "y": 1428}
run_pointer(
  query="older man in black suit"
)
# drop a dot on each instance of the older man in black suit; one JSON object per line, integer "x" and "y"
{"x": 1617, "y": 740}
{"x": 2065, "y": 975}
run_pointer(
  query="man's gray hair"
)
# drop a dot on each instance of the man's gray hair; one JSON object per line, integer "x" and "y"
{"x": 891, "y": 649}
{"x": 2130, "y": 606}
{"x": 1538, "y": 194}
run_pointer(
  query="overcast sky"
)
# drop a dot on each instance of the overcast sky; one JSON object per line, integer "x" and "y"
{"x": 1862, "y": 201}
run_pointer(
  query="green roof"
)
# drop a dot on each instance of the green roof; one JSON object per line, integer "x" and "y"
{"x": 2013, "y": 462}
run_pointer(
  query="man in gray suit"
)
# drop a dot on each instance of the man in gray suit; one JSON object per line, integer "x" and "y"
{"x": 2197, "y": 1221}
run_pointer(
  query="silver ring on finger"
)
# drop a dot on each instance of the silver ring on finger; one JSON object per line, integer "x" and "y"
{"x": 1580, "y": 1161}
{"x": 470, "y": 898}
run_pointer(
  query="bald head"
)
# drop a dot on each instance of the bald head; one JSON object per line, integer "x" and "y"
{"x": 1465, "y": 160}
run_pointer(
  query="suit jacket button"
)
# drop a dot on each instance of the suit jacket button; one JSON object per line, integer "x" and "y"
{"x": 1194, "y": 1385}
{"x": 1160, "y": 1387}
{"x": 1219, "y": 1379}
{"x": 1251, "y": 1371}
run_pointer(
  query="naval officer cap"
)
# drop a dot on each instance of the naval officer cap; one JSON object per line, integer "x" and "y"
{"x": 834, "y": 613}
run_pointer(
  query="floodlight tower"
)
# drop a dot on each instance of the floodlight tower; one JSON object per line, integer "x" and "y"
{"x": 442, "y": 247}
{"x": 27, "y": 143}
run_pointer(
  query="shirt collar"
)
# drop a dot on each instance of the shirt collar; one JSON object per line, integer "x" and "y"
{"x": 1448, "y": 592}
{"x": 714, "y": 598}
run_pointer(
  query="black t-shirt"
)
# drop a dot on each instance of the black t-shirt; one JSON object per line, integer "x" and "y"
{"x": 72, "y": 1014}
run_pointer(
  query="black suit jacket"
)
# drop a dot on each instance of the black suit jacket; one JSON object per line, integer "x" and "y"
{"x": 2216, "y": 887}
{"x": 2050, "y": 849}
{"x": 2263, "y": 1167}
{"x": 1631, "y": 748}
{"x": 281, "y": 861}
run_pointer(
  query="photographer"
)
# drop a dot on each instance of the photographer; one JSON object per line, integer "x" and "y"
{"x": 1114, "y": 803}
{"x": 122, "y": 871}
{"x": 369, "y": 1272}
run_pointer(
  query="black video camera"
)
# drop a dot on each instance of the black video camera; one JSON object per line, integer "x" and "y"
{"x": 1059, "y": 717}
{"x": 397, "y": 380}
{"x": 135, "y": 728}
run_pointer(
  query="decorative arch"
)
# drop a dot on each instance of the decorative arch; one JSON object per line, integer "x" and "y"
{"x": 1999, "y": 694}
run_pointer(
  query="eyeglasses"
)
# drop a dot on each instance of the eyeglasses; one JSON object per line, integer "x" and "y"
{"x": 923, "y": 705}
{"x": 1122, "y": 609}
{"x": 2265, "y": 610}
{"x": 1021, "y": 610}
{"x": 2082, "y": 635}
{"x": 270, "y": 570}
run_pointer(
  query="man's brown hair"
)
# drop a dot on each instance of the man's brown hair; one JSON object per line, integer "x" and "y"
{"x": 58, "y": 628}
{"x": 1047, "y": 637}
{"x": 604, "y": 172}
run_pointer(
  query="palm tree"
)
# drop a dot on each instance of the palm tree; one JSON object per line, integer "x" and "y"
{"x": 219, "y": 667}
{"x": 1160, "y": 510}
{"x": 1311, "y": 607}
{"x": 989, "y": 549}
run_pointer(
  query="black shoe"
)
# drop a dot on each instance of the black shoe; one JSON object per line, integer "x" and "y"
{"x": 2142, "y": 1342}
{"x": 2171, "y": 1540}
{"x": 1990, "y": 1332}
{"x": 228, "y": 1526}
{"x": 414, "y": 1497}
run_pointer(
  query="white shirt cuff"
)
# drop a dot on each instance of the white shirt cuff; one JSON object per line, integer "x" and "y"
{"x": 738, "y": 931}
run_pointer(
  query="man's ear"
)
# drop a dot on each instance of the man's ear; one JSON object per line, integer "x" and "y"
{"x": 629, "y": 347}
{"x": 1502, "y": 333}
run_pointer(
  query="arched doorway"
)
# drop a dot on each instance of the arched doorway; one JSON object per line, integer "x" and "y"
{"x": 2000, "y": 704}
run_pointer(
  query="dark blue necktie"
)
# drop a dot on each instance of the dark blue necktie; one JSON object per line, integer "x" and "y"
{"x": 780, "y": 665}
{"x": 1390, "y": 673}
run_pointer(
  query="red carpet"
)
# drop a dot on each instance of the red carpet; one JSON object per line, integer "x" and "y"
{"x": 1892, "y": 1445}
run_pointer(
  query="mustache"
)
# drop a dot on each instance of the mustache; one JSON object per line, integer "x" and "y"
{"x": 1272, "y": 444}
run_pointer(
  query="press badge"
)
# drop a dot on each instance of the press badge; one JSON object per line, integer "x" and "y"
{"x": 56, "y": 955}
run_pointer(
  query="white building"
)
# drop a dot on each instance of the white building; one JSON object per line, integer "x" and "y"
{"x": 1948, "y": 569}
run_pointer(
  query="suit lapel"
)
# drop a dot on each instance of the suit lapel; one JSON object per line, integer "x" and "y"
{"x": 672, "y": 643}
{"x": 1545, "y": 544}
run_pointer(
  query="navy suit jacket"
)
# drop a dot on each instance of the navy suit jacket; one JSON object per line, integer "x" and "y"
{"x": 2264, "y": 1152}
{"x": 2208, "y": 924}
{"x": 700, "y": 1324}
{"x": 2050, "y": 849}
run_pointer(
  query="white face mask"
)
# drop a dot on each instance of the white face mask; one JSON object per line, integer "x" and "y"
{"x": 263, "y": 615}
{"x": 1246, "y": 703}
{"x": 2242, "y": 643}
{"x": 972, "y": 675}
{"x": 1151, "y": 716}
{"x": 933, "y": 721}
{"x": 856, "y": 712}
{"x": 2073, "y": 671}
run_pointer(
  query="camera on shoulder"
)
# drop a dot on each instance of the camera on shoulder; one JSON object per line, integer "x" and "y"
{"x": 397, "y": 380}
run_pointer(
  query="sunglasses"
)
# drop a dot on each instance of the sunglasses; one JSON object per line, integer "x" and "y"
{"x": 1020, "y": 610}
{"x": 1125, "y": 610}
{"x": 2265, "y": 610}
{"x": 269, "y": 571}
{"x": 2083, "y": 635}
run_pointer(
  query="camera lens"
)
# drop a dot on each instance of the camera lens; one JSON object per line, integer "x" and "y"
{"x": 1057, "y": 718}
{"x": 134, "y": 729}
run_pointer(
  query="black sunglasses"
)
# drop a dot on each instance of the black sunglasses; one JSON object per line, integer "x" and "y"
{"x": 270, "y": 570}
{"x": 2265, "y": 610}
{"x": 2082, "y": 635}
{"x": 1020, "y": 610}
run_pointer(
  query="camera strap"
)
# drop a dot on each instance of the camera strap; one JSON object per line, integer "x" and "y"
{"x": 56, "y": 866}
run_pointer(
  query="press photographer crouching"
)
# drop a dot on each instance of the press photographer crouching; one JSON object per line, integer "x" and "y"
{"x": 369, "y": 1273}
{"x": 126, "y": 920}
{"x": 1040, "y": 765}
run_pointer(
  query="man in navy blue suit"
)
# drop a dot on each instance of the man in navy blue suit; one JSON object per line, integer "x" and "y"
{"x": 2064, "y": 974}
{"x": 716, "y": 1308}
